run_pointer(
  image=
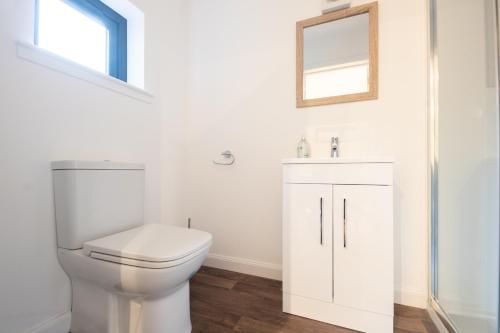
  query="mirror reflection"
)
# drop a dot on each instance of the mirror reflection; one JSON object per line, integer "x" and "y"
{"x": 336, "y": 58}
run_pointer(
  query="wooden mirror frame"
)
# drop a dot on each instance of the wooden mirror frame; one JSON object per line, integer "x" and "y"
{"x": 372, "y": 93}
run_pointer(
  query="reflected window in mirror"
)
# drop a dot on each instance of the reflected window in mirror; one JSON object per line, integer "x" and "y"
{"x": 337, "y": 57}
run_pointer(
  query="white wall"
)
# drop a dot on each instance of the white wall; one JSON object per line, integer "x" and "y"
{"x": 45, "y": 116}
{"x": 242, "y": 97}
{"x": 241, "y": 82}
{"x": 173, "y": 72}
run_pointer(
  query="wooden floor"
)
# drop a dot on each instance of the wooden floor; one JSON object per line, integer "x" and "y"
{"x": 223, "y": 301}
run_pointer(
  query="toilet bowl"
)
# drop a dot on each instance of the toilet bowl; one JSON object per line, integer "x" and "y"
{"x": 138, "y": 283}
{"x": 126, "y": 276}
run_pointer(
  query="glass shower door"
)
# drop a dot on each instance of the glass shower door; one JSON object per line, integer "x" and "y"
{"x": 465, "y": 137}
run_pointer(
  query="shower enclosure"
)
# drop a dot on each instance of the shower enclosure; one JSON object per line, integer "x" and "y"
{"x": 464, "y": 142}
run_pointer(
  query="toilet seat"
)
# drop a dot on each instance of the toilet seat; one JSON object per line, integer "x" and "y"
{"x": 152, "y": 246}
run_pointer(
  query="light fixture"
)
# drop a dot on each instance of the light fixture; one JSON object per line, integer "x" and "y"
{"x": 333, "y": 5}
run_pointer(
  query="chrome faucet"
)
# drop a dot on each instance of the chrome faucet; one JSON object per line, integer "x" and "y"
{"x": 335, "y": 147}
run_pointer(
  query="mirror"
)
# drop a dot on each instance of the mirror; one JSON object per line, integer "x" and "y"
{"x": 337, "y": 57}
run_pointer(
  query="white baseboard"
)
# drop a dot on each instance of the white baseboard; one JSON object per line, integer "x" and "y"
{"x": 435, "y": 319}
{"x": 273, "y": 271}
{"x": 245, "y": 266}
{"x": 411, "y": 298}
{"x": 455, "y": 307}
{"x": 58, "y": 324}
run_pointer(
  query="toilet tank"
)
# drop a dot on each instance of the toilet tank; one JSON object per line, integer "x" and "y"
{"x": 96, "y": 199}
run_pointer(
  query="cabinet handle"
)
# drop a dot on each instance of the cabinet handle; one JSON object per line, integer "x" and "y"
{"x": 321, "y": 221}
{"x": 345, "y": 229}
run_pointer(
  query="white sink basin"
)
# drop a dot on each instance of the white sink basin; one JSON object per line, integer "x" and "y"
{"x": 341, "y": 160}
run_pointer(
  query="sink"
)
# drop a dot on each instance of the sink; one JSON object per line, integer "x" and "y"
{"x": 341, "y": 160}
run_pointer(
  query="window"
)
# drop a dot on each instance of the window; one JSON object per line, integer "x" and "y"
{"x": 339, "y": 80}
{"x": 85, "y": 31}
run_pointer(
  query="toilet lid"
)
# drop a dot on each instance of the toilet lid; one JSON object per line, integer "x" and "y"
{"x": 153, "y": 243}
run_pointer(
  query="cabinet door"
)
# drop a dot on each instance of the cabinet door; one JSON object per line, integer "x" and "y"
{"x": 307, "y": 241}
{"x": 363, "y": 247}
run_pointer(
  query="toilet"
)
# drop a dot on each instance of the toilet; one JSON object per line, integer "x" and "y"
{"x": 126, "y": 276}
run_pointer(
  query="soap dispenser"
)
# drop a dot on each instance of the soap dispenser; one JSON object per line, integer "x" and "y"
{"x": 303, "y": 148}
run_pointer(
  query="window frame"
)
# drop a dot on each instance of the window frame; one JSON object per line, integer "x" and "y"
{"x": 117, "y": 28}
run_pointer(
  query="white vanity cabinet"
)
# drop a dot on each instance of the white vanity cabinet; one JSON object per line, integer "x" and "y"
{"x": 338, "y": 242}
{"x": 308, "y": 214}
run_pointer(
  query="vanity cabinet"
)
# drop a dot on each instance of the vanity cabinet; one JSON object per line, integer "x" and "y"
{"x": 309, "y": 257}
{"x": 338, "y": 242}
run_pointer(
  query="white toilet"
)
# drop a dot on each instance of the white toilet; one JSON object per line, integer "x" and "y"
{"x": 126, "y": 276}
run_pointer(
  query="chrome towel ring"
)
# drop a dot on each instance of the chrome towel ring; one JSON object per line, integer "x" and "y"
{"x": 227, "y": 158}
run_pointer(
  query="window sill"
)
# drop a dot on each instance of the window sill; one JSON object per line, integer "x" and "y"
{"x": 62, "y": 65}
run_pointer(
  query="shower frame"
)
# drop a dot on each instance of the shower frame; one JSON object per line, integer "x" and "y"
{"x": 433, "y": 124}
